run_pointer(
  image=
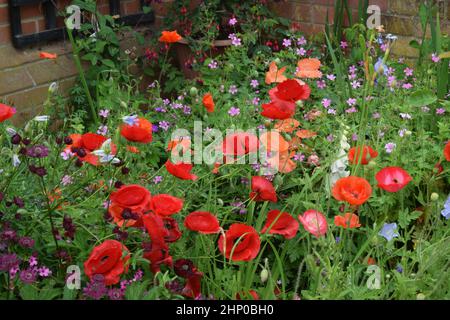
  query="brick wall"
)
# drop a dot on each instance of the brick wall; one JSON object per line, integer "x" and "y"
{"x": 399, "y": 17}
{"x": 24, "y": 77}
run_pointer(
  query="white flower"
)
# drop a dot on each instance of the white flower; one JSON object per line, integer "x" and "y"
{"x": 15, "y": 160}
{"x": 104, "y": 153}
{"x": 41, "y": 118}
{"x": 53, "y": 87}
{"x": 11, "y": 131}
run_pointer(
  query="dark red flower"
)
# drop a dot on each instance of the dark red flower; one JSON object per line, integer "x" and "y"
{"x": 181, "y": 170}
{"x": 165, "y": 204}
{"x": 262, "y": 190}
{"x": 367, "y": 155}
{"x": 6, "y": 112}
{"x": 158, "y": 253}
{"x": 202, "y": 221}
{"x": 171, "y": 225}
{"x": 140, "y": 132}
{"x": 392, "y": 179}
{"x": 108, "y": 260}
{"x": 240, "y": 243}
{"x": 281, "y": 223}
{"x": 132, "y": 200}
{"x": 185, "y": 268}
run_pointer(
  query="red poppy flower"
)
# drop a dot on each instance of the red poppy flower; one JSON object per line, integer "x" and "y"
{"x": 181, "y": 170}
{"x": 349, "y": 220}
{"x": 88, "y": 142}
{"x": 281, "y": 223}
{"x": 354, "y": 190}
{"x": 202, "y": 221}
{"x": 208, "y": 102}
{"x": 170, "y": 37}
{"x": 165, "y": 204}
{"x": 392, "y": 179}
{"x": 47, "y": 55}
{"x": 158, "y": 252}
{"x": 314, "y": 222}
{"x": 6, "y": 112}
{"x": 278, "y": 110}
{"x": 251, "y": 294}
{"x": 447, "y": 151}
{"x": 134, "y": 200}
{"x": 108, "y": 260}
{"x": 239, "y": 144}
{"x": 262, "y": 190}
{"x": 140, "y": 132}
{"x": 185, "y": 268}
{"x": 290, "y": 90}
{"x": 367, "y": 155}
{"x": 173, "y": 232}
{"x": 240, "y": 243}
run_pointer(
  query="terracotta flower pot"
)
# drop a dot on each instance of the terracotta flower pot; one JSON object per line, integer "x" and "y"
{"x": 184, "y": 53}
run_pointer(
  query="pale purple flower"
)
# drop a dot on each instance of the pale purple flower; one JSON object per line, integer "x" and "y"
{"x": 390, "y": 146}
{"x": 352, "y": 69}
{"x": 331, "y": 111}
{"x": 351, "y": 101}
{"x": 213, "y": 64}
{"x": 66, "y": 180}
{"x": 356, "y": 84}
{"x": 407, "y": 86}
{"x": 44, "y": 272}
{"x": 408, "y": 72}
{"x": 301, "y": 41}
{"x": 405, "y": 116}
{"x": 401, "y": 60}
{"x": 166, "y": 101}
{"x": 401, "y": 132}
{"x": 330, "y": 138}
{"x": 425, "y": 109}
{"x": 435, "y": 58}
{"x": 354, "y": 137}
{"x": 187, "y": 110}
{"x": 376, "y": 115}
{"x": 235, "y": 41}
{"x": 255, "y": 101}
{"x": 331, "y": 77}
{"x": 233, "y": 89}
{"x": 384, "y": 47}
{"x": 234, "y": 111}
{"x": 104, "y": 113}
{"x": 446, "y": 211}
{"x": 287, "y": 43}
{"x": 33, "y": 261}
{"x": 157, "y": 179}
{"x": 130, "y": 120}
{"x": 164, "y": 125}
{"x": 440, "y": 111}
{"x": 300, "y": 51}
{"x": 344, "y": 44}
{"x": 232, "y": 21}
{"x": 299, "y": 157}
{"x": 254, "y": 83}
{"x": 326, "y": 103}
{"x": 321, "y": 84}
{"x": 102, "y": 130}
{"x": 352, "y": 76}
{"x": 389, "y": 231}
{"x": 27, "y": 276}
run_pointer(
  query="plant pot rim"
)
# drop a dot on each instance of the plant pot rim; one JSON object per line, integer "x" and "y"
{"x": 216, "y": 43}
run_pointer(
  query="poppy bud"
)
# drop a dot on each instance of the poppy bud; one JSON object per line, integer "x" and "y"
{"x": 420, "y": 296}
{"x": 123, "y": 104}
{"x": 125, "y": 170}
{"x": 15, "y": 139}
{"x": 68, "y": 140}
{"x": 26, "y": 141}
{"x": 434, "y": 197}
{"x": 408, "y": 133}
{"x": 277, "y": 60}
{"x": 264, "y": 275}
{"x": 220, "y": 202}
{"x": 58, "y": 140}
{"x": 299, "y": 103}
{"x": 193, "y": 91}
{"x": 372, "y": 164}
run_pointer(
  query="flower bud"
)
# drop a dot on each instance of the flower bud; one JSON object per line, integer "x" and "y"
{"x": 420, "y": 296}
{"x": 372, "y": 164}
{"x": 193, "y": 91}
{"x": 434, "y": 197}
{"x": 299, "y": 103}
{"x": 264, "y": 275}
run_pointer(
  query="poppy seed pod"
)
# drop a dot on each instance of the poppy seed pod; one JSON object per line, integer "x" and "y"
{"x": 264, "y": 275}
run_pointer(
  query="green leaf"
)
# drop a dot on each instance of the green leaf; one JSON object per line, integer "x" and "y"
{"x": 421, "y": 98}
{"x": 28, "y": 292}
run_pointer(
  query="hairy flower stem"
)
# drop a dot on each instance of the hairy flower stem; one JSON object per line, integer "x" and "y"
{"x": 82, "y": 77}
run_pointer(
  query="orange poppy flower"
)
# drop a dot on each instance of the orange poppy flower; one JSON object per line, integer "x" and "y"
{"x": 133, "y": 149}
{"x": 282, "y": 162}
{"x": 208, "y": 102}
{"x": 47, "y": 55}
{"x": 170, "y": 37}
{"x": 308, "y": 68}
{"x": 447, "y": 151}
{"x": 304, "y": 134}
{"x": 287, "y": 125}
{"x": 274, "y": 74}
{"x": 274, "y": 142}
{"x": 349, "y": 220}
{"x": 354, "y": 190}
